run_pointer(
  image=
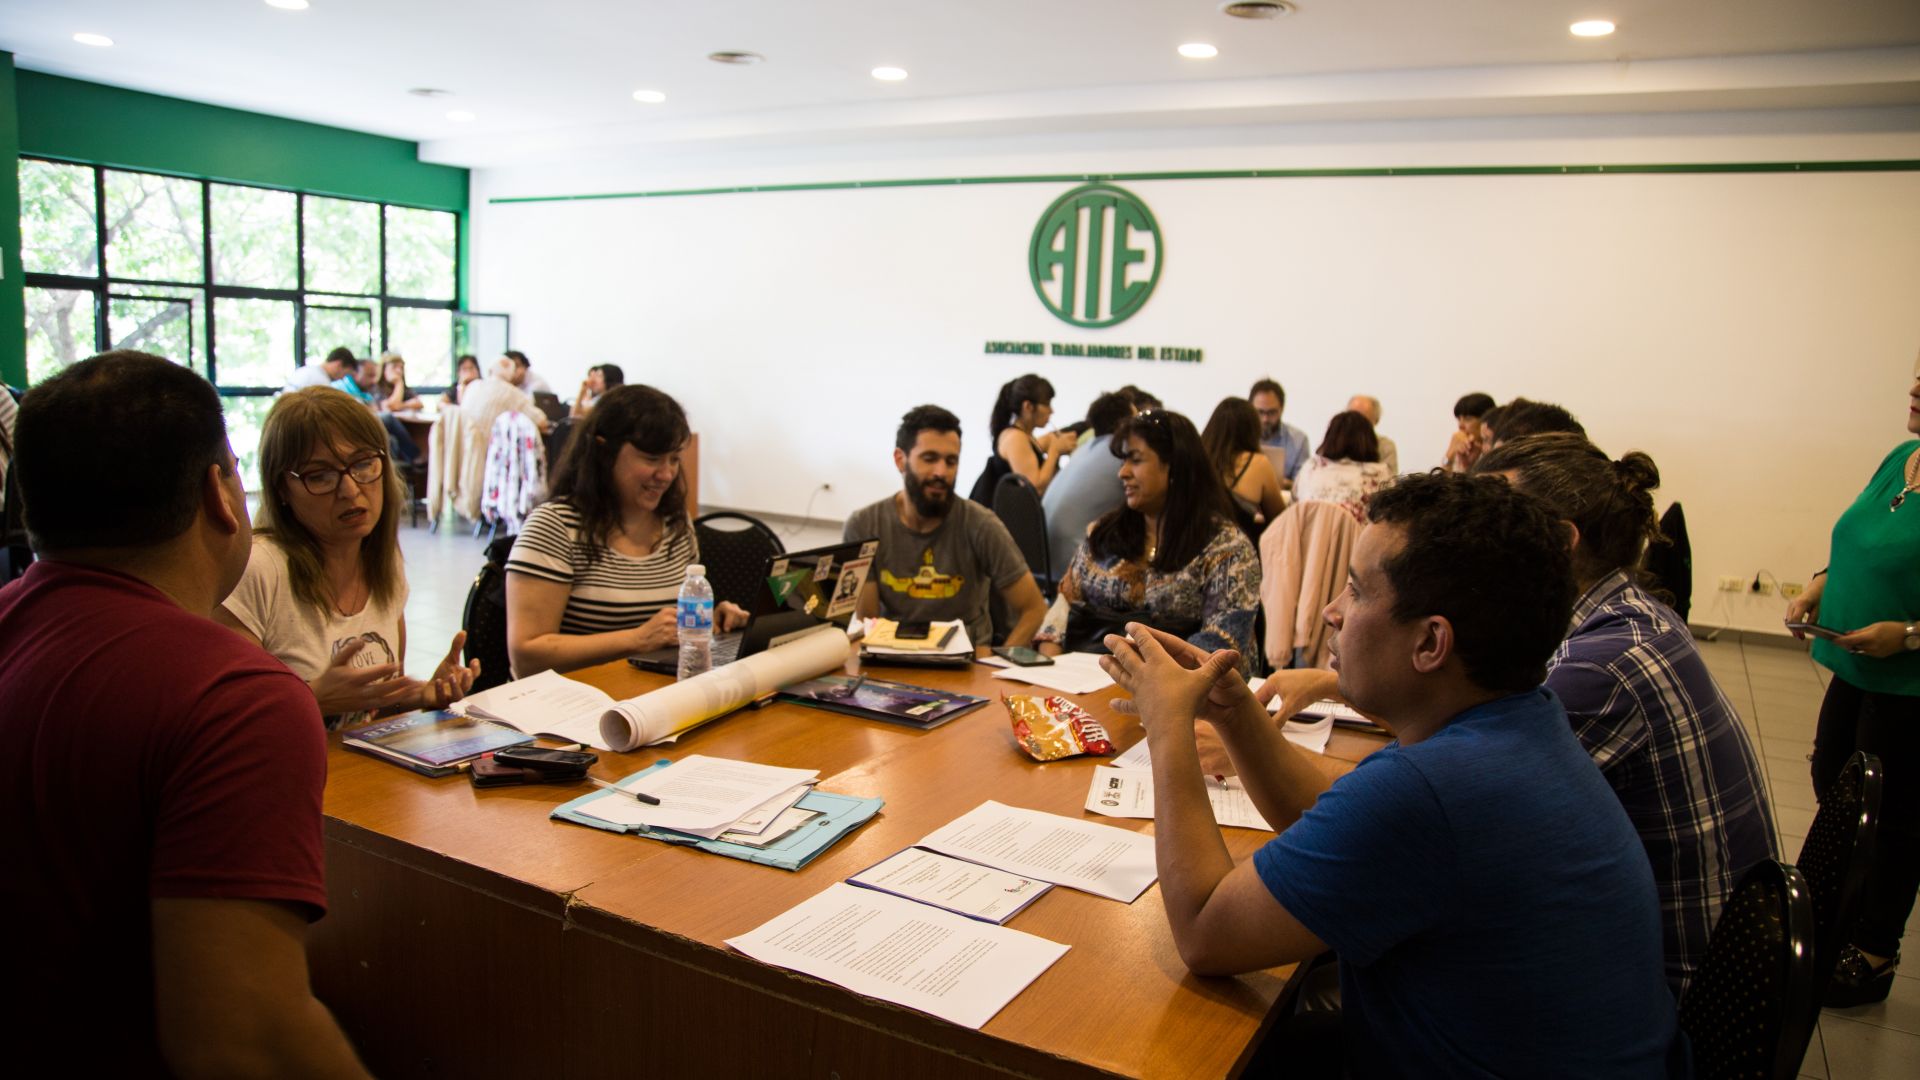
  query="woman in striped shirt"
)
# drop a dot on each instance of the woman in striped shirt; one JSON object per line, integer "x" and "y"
{"x": 596, "y": 572}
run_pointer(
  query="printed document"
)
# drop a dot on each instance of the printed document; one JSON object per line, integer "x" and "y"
{"x": 1129, "y": 793}
{"x": 545, "y": 704}
{"x": 964, "y": 888}
{"x": 910, "y": 954}
{"x": 699, "y": 794}
{"x": 1098, "y": 859}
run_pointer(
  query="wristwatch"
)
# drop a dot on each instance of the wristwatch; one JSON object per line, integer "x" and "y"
{"x": 1913, "y": 638}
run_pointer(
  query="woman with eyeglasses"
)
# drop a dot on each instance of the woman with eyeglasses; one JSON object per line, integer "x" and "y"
{"x": 325, "y": 590}
{"x": 1172, "y": 557}
{"x": 596, "y": 572}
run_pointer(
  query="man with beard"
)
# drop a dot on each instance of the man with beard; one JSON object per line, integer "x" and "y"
{"x": 940, "y": 555}
{"x": 1270, "y": 401}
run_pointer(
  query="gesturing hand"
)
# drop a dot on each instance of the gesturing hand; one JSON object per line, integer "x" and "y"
{"x": 451, "y": 681}
{"x": 1171, "y": 681}
{"x": 343, "y": 688}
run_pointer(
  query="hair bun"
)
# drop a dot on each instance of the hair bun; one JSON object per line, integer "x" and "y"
{"x": 1637, "y": 471}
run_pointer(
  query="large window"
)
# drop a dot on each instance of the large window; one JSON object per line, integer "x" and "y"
{"x": 243, "y": 284}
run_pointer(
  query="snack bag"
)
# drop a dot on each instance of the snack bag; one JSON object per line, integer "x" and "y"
{"x": 1051, "y": 728}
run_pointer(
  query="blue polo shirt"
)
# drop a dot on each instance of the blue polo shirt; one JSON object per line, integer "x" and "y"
{"x": 1492, "y": 906}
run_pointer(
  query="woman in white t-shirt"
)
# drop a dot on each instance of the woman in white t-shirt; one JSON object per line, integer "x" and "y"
{"x": 325, "y": 590}
{"x": 595, "y": 573}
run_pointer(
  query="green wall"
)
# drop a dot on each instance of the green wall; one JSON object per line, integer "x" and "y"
{"x": 51, "y": 116}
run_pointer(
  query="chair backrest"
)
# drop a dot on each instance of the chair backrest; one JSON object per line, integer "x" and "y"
{"x": 1836, "y": 855}
{"x": 485, "y": 618}
{"x": 1749, "y": 1011}
{"x": 1304, "y": 557}
{"x": 516, "y": 476}
{"x": 1017, "y": 505}
{"x": 735, "y": 548}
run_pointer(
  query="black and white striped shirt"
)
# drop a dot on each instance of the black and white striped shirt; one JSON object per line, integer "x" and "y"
{"x": 613, "y": 592}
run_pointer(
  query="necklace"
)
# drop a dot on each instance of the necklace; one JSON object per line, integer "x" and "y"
{"x": 1913, "y": 482}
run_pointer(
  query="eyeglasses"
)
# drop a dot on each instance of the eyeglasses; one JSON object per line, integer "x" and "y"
{"x": 326, "y": 480}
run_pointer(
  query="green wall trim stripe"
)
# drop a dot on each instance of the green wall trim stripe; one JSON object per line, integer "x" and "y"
{"x": 1247, "y": 174}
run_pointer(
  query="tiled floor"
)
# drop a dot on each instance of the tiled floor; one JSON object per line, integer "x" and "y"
{"x": 1777, "y": 692}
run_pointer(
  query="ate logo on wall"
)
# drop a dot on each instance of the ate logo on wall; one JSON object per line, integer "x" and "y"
{"x": 1095, "y": 255}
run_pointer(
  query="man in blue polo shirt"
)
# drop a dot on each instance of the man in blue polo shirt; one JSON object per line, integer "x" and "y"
{"x": 1491, "y": 905}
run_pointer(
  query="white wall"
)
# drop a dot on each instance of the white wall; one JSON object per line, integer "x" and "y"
{"x": 1754, "y": 332}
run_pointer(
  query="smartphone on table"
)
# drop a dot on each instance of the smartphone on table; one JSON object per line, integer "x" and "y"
{"x": 912, "y": 629}
{"x": 1021, "y": 656}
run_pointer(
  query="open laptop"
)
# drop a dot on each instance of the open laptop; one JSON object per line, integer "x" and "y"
{"x": 799, "y": 593}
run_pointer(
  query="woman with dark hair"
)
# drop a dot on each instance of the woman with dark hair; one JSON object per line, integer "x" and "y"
{"x": 1023, "y": 406}
{"x": 325, "y": 590}
{"x": 1172, "y": 557}
{"x": 465, "y": 370}
{"x": 1346, "y": 468}
{"x": 1871, "y": 594}
{"x": 600, "y": 379}
{"x": 596, "y": 571}
{"x": 1232, "y": 440}
{"x": 1469, "y": 439}
{"x": 1640, "y": 697}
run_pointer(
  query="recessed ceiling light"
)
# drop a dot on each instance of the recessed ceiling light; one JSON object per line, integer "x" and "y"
{"x": 460, "y": 116}
{"x": 1257, "y": 9}
{"x": 99, "y": 41}
{"x": 649, "y": 97}
{"x": 889, "y": 74}
{"x": 741, "y": 58}
{"x": 1591, "y": 28}
{"x": 430, "y": 92}
{"x": 1198, "y": 50}
{"x": 288, "y": 5}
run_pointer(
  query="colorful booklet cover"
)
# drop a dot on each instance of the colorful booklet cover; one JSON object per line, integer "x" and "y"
{"x": 880, "y": 699}
{"x": 432, "y": 742}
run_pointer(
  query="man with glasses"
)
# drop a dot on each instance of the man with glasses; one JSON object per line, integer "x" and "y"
{"x": 160, "y": 777}
{"x": 1270, "y": 401}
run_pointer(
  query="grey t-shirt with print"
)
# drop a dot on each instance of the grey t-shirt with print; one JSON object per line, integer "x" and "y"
{"x": 948, "y": 573}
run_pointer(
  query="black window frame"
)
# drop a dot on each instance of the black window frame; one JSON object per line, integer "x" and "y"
{"x": 103, "y": 283}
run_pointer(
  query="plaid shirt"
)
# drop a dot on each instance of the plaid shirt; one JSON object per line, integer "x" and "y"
{"x": 1645, "y": 707}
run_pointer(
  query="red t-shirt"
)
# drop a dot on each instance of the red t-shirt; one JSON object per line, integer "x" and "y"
{"x": 144, "y": 752}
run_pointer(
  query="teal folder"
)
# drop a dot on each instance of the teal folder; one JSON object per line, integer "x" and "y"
{"x": 839, "y": 815}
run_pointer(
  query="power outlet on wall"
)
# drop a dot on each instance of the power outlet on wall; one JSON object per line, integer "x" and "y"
{"x": 1732, "y": 584}
{"x": 1791, "y": 589}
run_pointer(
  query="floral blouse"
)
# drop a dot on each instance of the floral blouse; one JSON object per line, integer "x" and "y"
{"x": 1349, "y": 483}
{"x": 1220, "y": 588}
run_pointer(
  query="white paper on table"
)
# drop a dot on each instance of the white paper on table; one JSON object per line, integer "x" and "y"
{"x": 790, "y": 819}
{"x": 758, "y": 819}
{"x": 1070, "y": 673}
{"x": 545, "y": 704}
{"x": 1342, "y": 714}
{"x": 1128, "y": 793}
{"x": 698, "y": 794}
{"x": 956, "y": 645}
{"x": 964, "y": 888}
{"x": 952, "y": 967}
{"x": 659, "y": 715}
{"x": 1093, "y": 858}
{"x": 1136, "y": 757}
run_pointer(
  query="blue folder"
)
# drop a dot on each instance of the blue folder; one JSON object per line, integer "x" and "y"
{"x": 839, "y": 815}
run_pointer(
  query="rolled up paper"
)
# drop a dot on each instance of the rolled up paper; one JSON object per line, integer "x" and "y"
{"x": 676, "y": 707}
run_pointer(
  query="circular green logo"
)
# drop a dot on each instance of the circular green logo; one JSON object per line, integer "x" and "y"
{"x": 1095, "y": 256}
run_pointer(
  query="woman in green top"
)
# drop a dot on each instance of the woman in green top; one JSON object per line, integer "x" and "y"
{"x": 1871, "y": 590}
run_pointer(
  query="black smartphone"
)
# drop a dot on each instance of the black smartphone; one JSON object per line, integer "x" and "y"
{"x": 912, "y": 629}
{"x": 1816, "y": 630}
{"x": 1022, "y": 656}
{"x": 485, "y": 772}
{"x": 572, "y": 763}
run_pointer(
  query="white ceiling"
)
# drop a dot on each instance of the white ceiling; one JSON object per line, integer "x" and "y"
{"x": 555, "y": 77}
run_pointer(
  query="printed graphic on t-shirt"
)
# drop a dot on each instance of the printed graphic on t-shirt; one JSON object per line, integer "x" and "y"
{"x": 928, "y": 583}
{"x": 373, "y": 654}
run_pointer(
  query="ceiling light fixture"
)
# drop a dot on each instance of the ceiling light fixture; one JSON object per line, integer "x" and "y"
{"x": 889, "y": 74}
{"x": 1591, "y": 28}
{"x": 740, "y": 58}
{"x": 460, "y": 116}
{"x": 1256, "y": 9}
{"x": 98, "y": 41}
{"x": 1198, "y": 50}
{"x": 288, "y": 5}
{"x": 430, "y": 92}
{"x": 649, "y": 97}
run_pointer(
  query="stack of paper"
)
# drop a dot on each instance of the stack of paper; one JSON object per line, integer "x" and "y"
{"x": 1070, "y": 673}
{"x": 1097, "y": 859}
{"x": 943, "y": 639}
{"x": 709, "y": 797}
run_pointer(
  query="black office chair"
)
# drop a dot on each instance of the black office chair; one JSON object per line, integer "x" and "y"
{"x": 735, "y": 548}
{"x": 1835, "y": 858}
{"x": 1750, "y": 1008}
{"x": 485, "y": 618}
{"x": 1017, "y": 504}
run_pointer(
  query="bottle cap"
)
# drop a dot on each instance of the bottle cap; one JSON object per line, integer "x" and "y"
{"x": 696, "y": 570}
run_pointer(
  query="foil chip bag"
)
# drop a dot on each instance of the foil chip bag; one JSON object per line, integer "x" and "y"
{"x": 1051, "y": 728}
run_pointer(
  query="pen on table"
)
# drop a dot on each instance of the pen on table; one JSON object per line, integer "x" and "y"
{"x": 650, "y": 800}
{"x": 946, "y": 637}
{"x": 855, "y": 688}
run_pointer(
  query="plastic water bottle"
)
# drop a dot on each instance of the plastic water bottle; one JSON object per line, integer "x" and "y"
{"x": 695, "y": 623}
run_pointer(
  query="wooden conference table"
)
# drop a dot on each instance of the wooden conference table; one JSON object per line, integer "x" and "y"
{"x": 470, "y": 935}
